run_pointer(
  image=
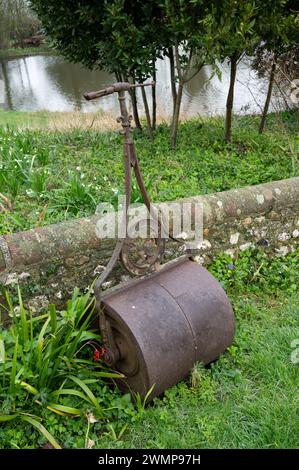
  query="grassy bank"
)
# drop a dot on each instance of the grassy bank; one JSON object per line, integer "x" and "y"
{"x": 247, "y": 399}
{"x": 24, "y": 120}
{"x": 57, "y": 121}
{"x": 51, "y": 176}
{"x": 15, "y": 52}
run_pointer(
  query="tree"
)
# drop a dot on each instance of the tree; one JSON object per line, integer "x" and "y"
{"x": 117, "y": 36}
{"x": 235, "y": 23}
{"x": 190, "y": 42}
{"x": 16, "y": 22}
{"x": 126, "y": 37}
{"x": 278, "y": 30}
{"x": 133, "y": 48}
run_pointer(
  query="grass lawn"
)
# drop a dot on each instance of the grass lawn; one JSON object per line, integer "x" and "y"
{"x": 65, "y": 174}
{"x": 24, "y": 120}
{"x": 14, "y": 52}
{"x": 56, "y": 121}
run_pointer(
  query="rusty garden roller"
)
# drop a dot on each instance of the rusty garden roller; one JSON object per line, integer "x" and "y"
{"x": 156, "y": 327}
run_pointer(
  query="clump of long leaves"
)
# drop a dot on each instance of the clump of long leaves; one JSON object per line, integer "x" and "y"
{"x": 44, "y": 364}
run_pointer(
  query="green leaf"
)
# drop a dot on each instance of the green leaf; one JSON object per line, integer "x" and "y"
{"x": 88, "y": 392}
{"x": 64, "y": 409}
{"x": 14, "y": 366}
{"x": 4, "y": 418}
{"x": 71, "y": 391}
{"x": 28, "y": 387}
{"x": 87, "y": 335}
{"x": 43, "y": 330}
{"x": 149, "y": 392}
{"x": 62, "y": 349}
{"x": 31, "y": 328}
{"x": 77, "y": 339}
{"x": 42, "y": 430}
{"x": 40, "y": 344}
{"x": 53, "y": 316}
{"x": 10, "y": 306}
{"x": 2, "y": 351}
{"x": 108, "y": 375}
{"x": 23, "y": 318}
{"x": 112, "y": 432}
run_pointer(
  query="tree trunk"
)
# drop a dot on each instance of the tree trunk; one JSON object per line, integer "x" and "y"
{"x": 124, "y": 77}
{"x": 269, "y": 94}
{"x": 230, "y": 98}
{"x": 176, "y": 116}
{"x": 7, "y": 88}
{"x": 135, "y": 108}
{"x": 172, "y": 78}
{"x": 147, "y": 114}
{"x": 154, "y": 98}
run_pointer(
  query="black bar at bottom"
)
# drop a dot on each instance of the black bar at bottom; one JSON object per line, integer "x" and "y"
{"x": 100, "y": 458}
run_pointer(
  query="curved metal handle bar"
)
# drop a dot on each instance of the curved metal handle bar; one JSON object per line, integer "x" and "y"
{"x": 115, "y": 88}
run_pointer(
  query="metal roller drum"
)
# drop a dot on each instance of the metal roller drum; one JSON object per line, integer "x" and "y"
{"x": 156, "y": 328}
{"x": 165, "y": 323}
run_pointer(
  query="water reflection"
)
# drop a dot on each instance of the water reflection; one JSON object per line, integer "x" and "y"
{"x": 51, "y": 83}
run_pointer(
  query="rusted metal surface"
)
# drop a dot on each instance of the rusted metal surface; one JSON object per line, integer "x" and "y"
{"x": 166, "y": 322}
{"x": 118, "y": 87}
{"x": 152, "y": 249}
{"x": 142, "y": 255}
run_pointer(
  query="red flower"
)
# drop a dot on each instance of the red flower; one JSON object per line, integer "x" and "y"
{"x": 98, "y": 354}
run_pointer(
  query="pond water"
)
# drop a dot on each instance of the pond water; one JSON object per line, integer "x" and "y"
{"x": 49, "y": 82}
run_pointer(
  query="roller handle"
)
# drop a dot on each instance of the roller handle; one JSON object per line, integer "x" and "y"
{"x": 115, "y": 88}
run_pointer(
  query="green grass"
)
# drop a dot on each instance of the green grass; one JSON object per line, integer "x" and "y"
{"x": 22, "y": 119}
{"x": 14, "y": 52}
{"x": 66, "y": 174}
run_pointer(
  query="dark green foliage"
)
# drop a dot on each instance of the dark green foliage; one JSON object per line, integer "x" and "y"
{"x": 118, "y": 36}
{"x": 277, "y": 25}
{"x": 275, "y": 54}
{"x": 254, "y": 272}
